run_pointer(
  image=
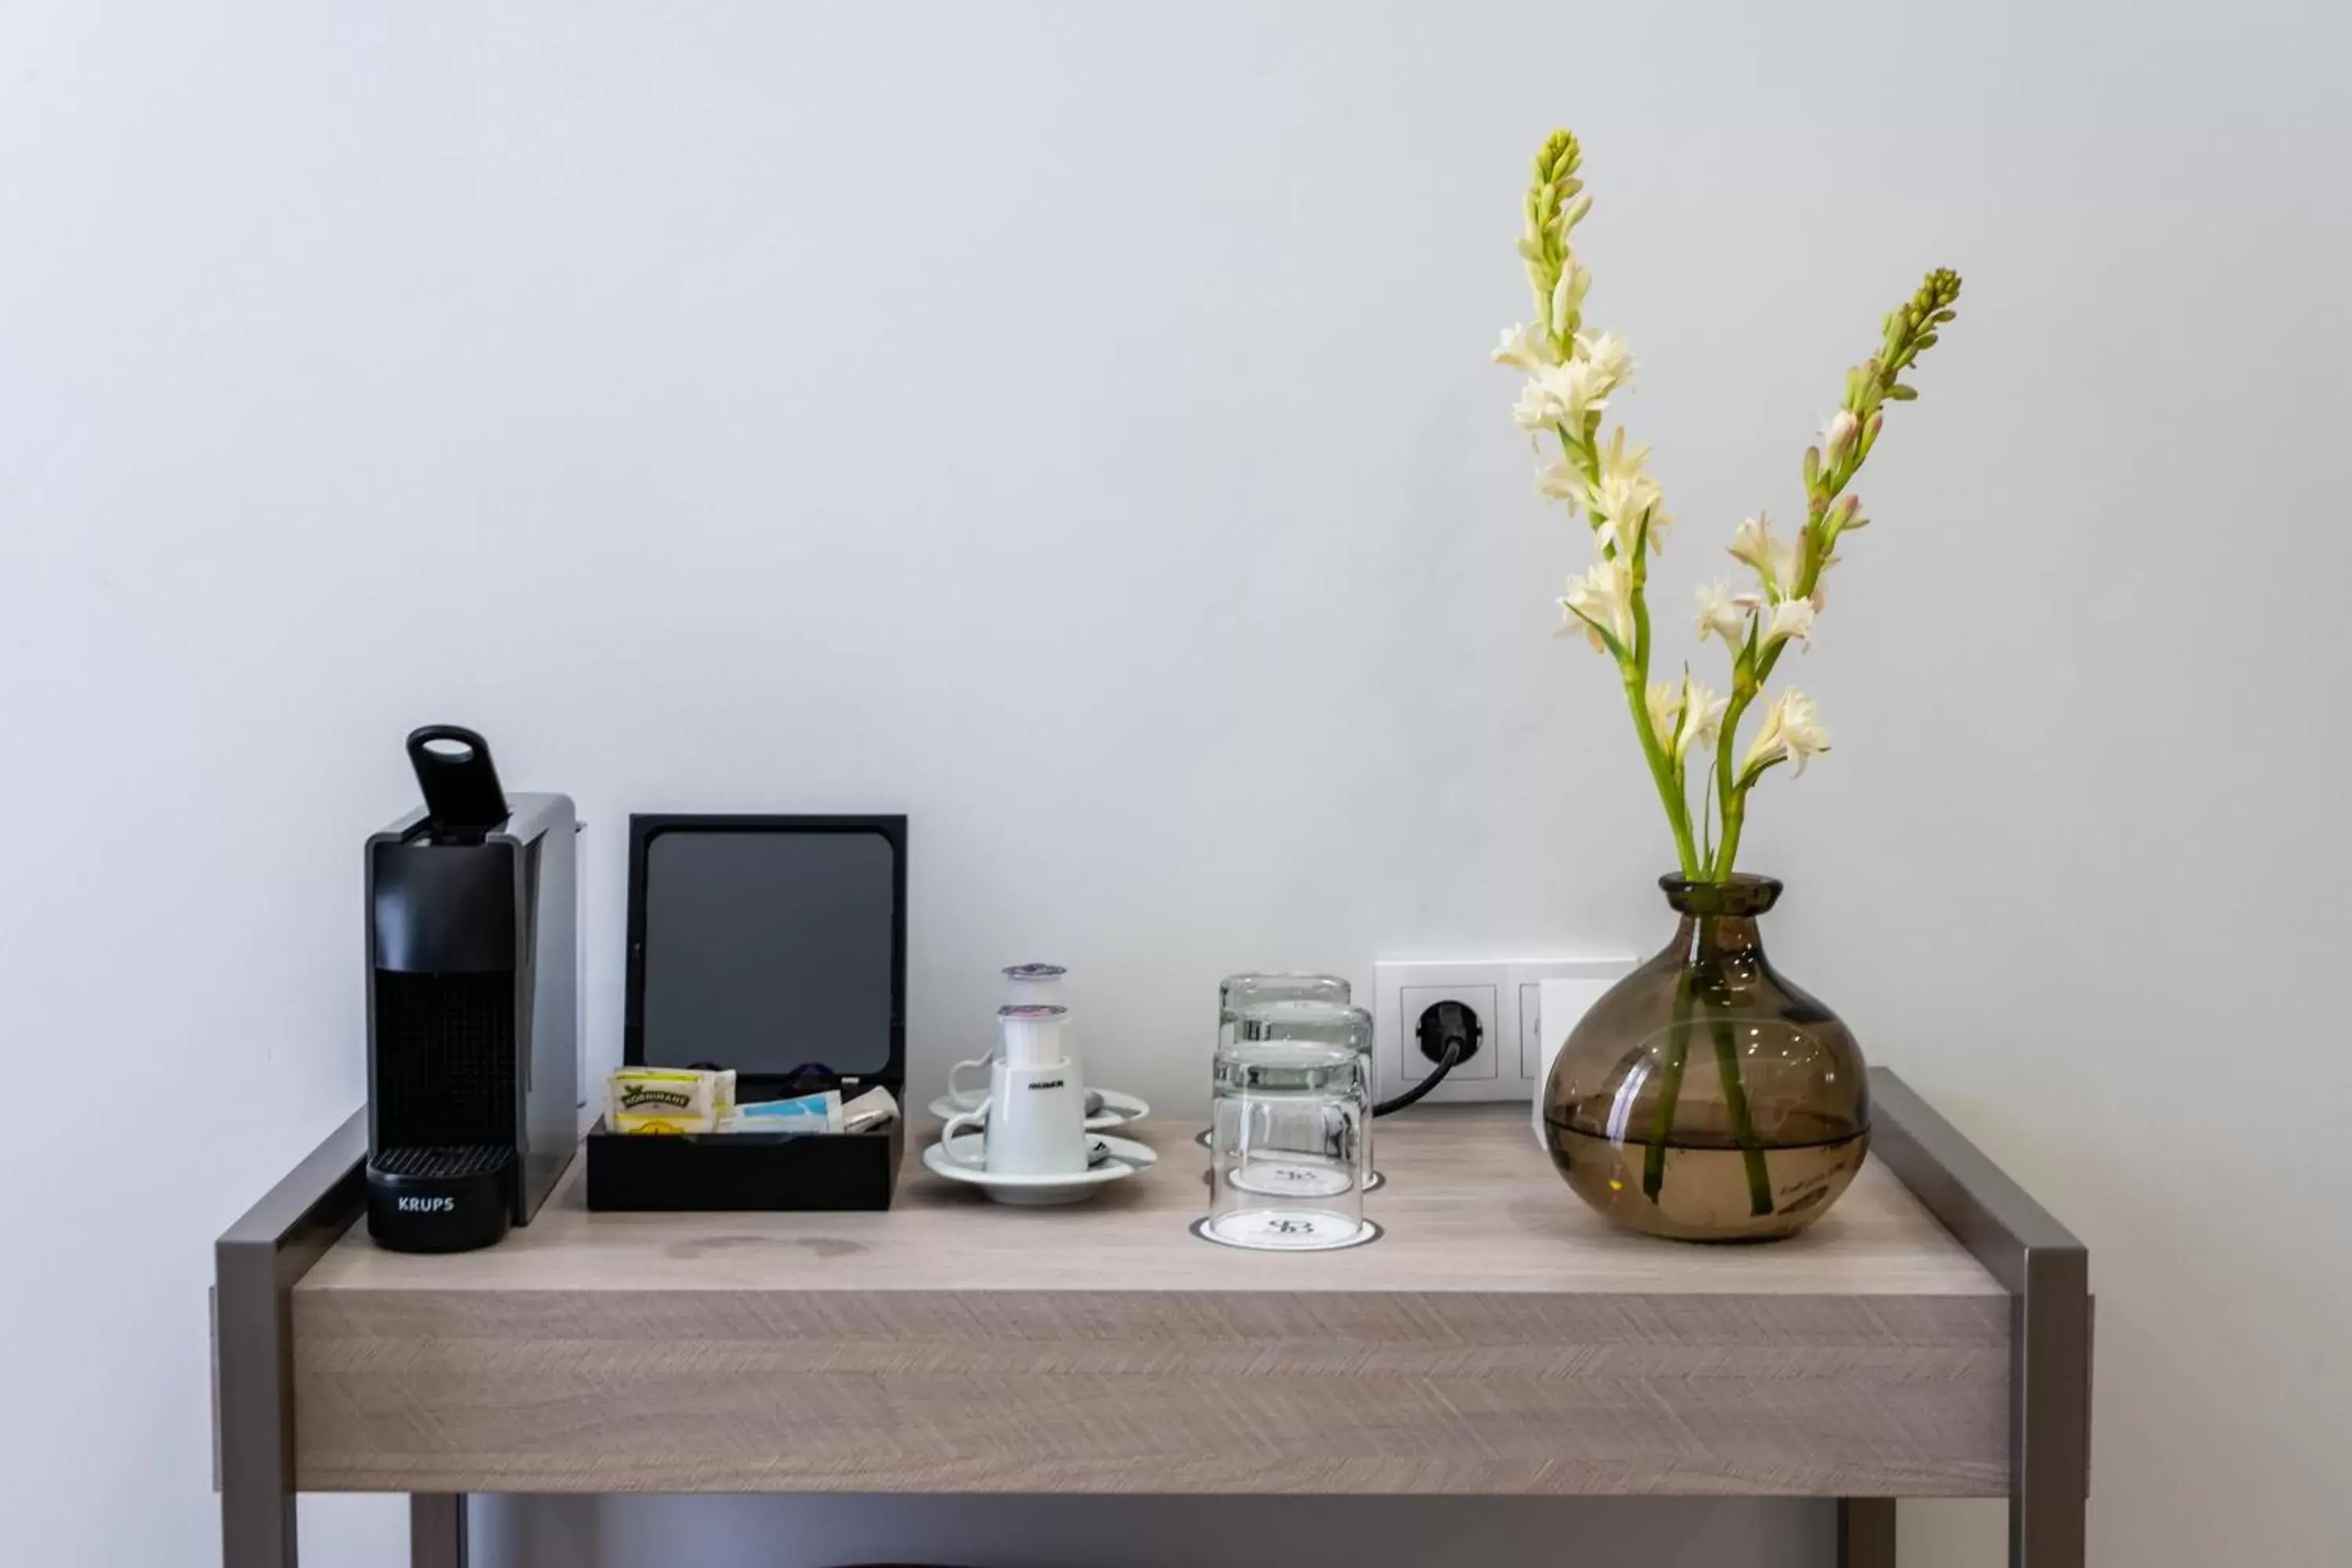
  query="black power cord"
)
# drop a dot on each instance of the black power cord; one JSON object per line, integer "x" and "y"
{"x": 1449, "y": 1037}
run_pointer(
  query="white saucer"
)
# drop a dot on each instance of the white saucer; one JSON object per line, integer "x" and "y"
{"x": 1125, "y": 1158}
{"x": 1118, "y": 1109}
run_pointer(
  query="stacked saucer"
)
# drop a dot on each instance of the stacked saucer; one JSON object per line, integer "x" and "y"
{"x": 962, "y": 1158}
{"x": 1107, "y": 1110}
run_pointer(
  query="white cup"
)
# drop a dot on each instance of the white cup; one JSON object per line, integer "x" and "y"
{"x": 1033, "y": 991}
{"x": 1034, "y": 1123}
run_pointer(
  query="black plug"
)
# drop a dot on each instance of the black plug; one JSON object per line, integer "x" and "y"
{"x": 1449, "y": 1034}
{"x": 1448, "y": 1023}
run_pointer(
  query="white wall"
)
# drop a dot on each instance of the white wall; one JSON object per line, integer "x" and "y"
{"x": 1070, "y": 425}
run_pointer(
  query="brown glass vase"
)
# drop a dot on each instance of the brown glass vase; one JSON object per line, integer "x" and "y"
{"x": 1704, "y": 1098}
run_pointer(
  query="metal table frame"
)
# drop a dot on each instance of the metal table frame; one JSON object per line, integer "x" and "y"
{"x": 2042, "y": 1266}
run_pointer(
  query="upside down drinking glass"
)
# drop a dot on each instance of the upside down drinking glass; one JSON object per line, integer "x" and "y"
{"x": 1236, "y": 992}
{"x": 1289, "y": 1150}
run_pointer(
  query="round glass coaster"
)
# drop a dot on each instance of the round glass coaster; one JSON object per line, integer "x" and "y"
{"x": 1286, "y": 1230}
{"x": 1372, "y": 1183}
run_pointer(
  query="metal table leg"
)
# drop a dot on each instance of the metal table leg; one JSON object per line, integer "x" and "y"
{"x": 1866, "y": 1532}
{"x": 256, "y": 1264}
{"x": 2047, "y": 1274}
{"x": 436, "y": 1530}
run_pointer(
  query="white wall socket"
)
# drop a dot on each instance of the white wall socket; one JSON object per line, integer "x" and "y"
{"x": 1507, "y": 996}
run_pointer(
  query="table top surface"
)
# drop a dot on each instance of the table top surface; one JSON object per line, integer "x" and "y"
{"x": 1471, "y": 1204}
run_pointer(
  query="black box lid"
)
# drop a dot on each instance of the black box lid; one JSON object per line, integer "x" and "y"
{"x": 774, "y": 945}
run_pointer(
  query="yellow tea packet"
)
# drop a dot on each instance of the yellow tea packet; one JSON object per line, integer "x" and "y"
{"x": 669, "y": 1099}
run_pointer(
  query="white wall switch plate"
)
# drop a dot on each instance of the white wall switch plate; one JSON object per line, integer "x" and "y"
{"x": 1507, "y": 994}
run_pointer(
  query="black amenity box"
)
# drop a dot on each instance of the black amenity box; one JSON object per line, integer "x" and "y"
{"x": 777, "y": 946}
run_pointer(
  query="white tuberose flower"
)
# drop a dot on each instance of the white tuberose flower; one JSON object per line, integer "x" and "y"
{"x": 1790, "y": 618}
{"x": 1524, "y": 348}
{"x": 1601, "y": 601}
{"x": 1536, "y": 407}
{"x": 1720, "y": 614}
{"x": 1838, "y": 431}
{"x": 1560, "y": 480}
{"x": 1702, "y": 718}
{"x": 1792, "y": 732}
{"x": 1627, "y": 495}
{"x": 1665, "y": 702}
{"x": 1773, "y": 561}
{"x": 1562, "y": 394}
{"x": 1611, "y": 357}
{"x": 1568, "y": 294}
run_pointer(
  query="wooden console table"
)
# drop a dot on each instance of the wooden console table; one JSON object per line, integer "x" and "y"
{"x": 1930, "y": 1338}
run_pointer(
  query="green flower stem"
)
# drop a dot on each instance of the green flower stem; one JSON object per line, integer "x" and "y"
{"x": 1662, "y": 767}
{"x": 1734, "y": 1092}
{"x": 1670, "y": 1090}
{"x": 1731, "y": 801}
{"x": 1735, "y": 818}
{"x": 1743, "y": 1121}
{"x": 1664, "y": 770}
{"x": 1731, "y": 791}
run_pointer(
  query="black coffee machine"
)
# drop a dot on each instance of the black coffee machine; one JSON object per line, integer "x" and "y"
{"x": 472, "y": 1002}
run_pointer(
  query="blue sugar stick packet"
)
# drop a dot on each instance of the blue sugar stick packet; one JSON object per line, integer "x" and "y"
{"x": 807, "y": 1113}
